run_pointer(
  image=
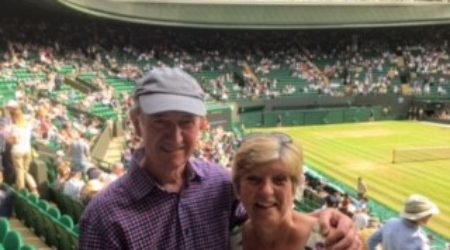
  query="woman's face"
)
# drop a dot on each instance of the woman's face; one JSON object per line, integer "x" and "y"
{"x": 267, "y": 193}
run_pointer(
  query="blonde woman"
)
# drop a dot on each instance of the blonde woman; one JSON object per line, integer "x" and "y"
{"x": 19, "y": 137}
{"x": 267, "y": 172}
{"x": 63, "y": 175}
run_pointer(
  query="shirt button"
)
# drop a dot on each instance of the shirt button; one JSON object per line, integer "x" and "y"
{"x": 187, "y": 231}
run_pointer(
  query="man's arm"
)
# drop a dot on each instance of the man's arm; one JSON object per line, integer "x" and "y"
{"x": 339, "y": 230}
{"x": 375, "y": 239}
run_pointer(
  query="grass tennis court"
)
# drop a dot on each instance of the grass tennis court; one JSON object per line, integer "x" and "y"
{"x": 346, "y": 151}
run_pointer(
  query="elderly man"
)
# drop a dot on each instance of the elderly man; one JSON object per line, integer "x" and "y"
{"x": 406, "y": 232}
{"x": 166, "y": 200}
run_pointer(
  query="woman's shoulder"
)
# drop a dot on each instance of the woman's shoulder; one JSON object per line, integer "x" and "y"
{"x": 309, "y": 228}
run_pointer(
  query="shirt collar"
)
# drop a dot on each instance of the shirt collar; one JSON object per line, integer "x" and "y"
{"x": 140, "y": 183}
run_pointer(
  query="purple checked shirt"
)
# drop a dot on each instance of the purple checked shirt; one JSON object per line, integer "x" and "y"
{"x": 135, "y": 213}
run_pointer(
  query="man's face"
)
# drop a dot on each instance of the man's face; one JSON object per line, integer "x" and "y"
{"x": 170, "y": 138}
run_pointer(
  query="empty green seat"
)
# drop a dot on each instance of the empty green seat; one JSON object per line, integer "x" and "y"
{"x": 65, "y": 233}
{"x": 43, "y": 205}
{"x": 13, "y": 241}
{"x": 27, "y": 247}
{"x": 67, "y": 221}
{"x": 33, "y": 198}
{"x": 4, "y": 228}
{"x": 54, "y": 213}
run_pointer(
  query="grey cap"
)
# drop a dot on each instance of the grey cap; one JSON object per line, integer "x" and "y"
{"x": 170, "y": 89}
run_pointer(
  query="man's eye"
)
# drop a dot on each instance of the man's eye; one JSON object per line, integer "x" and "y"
{"x": 158, "y": 123}
{"x": 186, "y": 123}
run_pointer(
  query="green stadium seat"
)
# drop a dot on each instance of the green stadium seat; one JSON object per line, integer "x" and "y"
{"x": 67, "y": 221}
{"x": 27, "y": 247}
{"x": 51, "y": 225}
{"x": 54, "y": 213}
{"x": 24, "y": 192}
{"x": 78, "y": 209}
{"x": 4, "y": 228}
{"x": 64, "y": 232}
{"x": 76, "y": 229}
{"x": 43, "y": 205}
{"x": 13, "y": 241}
{"x": 40, "y": 212}
{"x": 33, "y": 198}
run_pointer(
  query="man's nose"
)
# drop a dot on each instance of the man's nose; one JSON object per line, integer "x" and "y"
{"x": 175, "y": 133}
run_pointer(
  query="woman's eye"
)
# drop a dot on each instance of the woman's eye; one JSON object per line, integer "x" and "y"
{"x": 253, "y": 179}
{"x": 280, "y": 180}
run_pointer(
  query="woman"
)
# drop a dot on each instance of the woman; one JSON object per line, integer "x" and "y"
{"x": 63, "y": 175}
{"x": 267, "y": 171}
{"x": 20, "y": 138}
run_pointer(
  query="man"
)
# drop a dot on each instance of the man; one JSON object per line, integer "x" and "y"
{"x": 361, "y": 187}
{"x": 167, "y": 200}
{"x": 406, "y": 232}
{"x": 79, "y": 153}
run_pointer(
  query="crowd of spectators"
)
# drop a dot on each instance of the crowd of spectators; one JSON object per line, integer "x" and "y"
{"x": 248, "y": 64}
{"x": 252, "y": 63}
{"x": 357, "y": 208}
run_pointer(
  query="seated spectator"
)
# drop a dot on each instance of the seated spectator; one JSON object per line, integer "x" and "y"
{"x": 346, "y": 206}
{"x": 117, "y": 171}
{"x": 366, "y": 233}
{"x": 94, "y": 173}
{"x": 361, "y": 219}
{"x": 74, "y": 185}
{"x": 90, "y": 190}
{"x": 361, "y": 203}
{"x": 63, "y": 175}
{"x": 332, "y": 201}
{"x": 67, "y": 134}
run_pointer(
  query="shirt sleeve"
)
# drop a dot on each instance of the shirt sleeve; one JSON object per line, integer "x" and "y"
{"x": 238, "y": 216}
{"x": 97, "y": 234}
{"x": 420, "y": 242}
{"x": 376, "y": 239}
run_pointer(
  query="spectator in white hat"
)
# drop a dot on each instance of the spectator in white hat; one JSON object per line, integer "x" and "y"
{"x": 406, "y": 232}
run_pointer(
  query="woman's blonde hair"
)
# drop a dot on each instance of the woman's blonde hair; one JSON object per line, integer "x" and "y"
{"x": 17, "y": 116}
{"x": 64, "y": 169}
{"x": 255, "y": 151}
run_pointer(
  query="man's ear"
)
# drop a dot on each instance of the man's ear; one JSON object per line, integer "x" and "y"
{"x": 134, "y": 118}
{"x": 204, "y": 124}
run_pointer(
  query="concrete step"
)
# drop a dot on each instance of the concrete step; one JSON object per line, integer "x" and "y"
{"x": 115, "y": 149}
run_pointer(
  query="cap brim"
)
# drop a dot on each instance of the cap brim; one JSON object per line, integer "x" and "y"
{"x": 158, "y": 103}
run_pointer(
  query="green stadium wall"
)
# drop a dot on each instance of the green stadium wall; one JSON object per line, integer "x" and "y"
{"x": 315, "y": 109}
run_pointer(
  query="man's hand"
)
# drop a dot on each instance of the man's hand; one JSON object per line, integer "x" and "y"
{"x": 339, "y": 231}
